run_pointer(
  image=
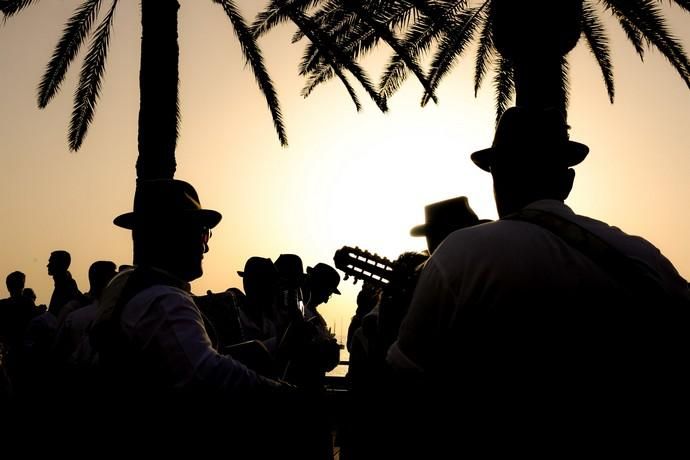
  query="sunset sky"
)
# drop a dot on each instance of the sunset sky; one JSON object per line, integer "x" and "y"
{"x": 347, "y": 178}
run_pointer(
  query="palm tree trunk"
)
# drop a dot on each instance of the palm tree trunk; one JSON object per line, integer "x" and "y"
{"x": 539, "y": 82}
{"x": 158, "y": 84}
{"x": 536, "y": 38}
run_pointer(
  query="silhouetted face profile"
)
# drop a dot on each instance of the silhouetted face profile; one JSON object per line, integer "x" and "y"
{"x": 323, "y": 282}
{"x": 178, "y": 247}
{"x": 58, "y": 263}
{"x": 170, "y": 229}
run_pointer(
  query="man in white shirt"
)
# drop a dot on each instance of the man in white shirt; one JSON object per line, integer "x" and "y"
{"x": 513, "y": 321}
{"x": 148, "y": 331}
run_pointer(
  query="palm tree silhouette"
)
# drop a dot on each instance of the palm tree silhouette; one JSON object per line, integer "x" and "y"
{"x": 527, "y": 50}
{"x": 159, "y": 115}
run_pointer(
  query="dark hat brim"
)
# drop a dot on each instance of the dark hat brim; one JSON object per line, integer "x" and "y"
{"x": 574, "y": 155}
{"x": 206, "y": 217}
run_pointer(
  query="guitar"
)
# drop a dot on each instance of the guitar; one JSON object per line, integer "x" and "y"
{"x": 364, "y": 265}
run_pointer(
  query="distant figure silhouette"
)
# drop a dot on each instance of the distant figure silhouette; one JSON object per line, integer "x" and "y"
{"x": 443, "y": 218}
{"x": 15, "y": 313}
{"x": 321, "y": 283}
{"x": 545, "y": 327}
{"x": 260, "y": 283}
{"x": 65, "y": 287}
{"x": 78, "y": 315}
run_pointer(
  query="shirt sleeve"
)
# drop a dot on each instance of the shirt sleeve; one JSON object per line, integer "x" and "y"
{"x": 172, "y": 337}
{"x": 422, "y": 331}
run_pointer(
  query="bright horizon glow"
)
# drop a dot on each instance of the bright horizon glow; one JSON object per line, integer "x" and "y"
{"x": 346, "y": 178}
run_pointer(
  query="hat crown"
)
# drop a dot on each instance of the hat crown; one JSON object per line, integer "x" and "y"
{"x": 535, "y": 136}
{"x": 289, "y": 265}
{"x": 162, "y": 196}
{"x": 259, "y": 267}
{"x": 455, "y": 212}
{"x": 324, "y": 275}
{"x": 163, "y": 200}
{"x": 519, "y": 126}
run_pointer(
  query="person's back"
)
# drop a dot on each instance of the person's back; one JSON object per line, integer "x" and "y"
{"x": 542, "y": 329}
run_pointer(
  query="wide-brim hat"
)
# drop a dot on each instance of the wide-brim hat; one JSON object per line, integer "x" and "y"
{"x": 447, "y": 215}
{"x": 324, "y": 275}
{"x": 290, "y": 266}
{"x": 166, "y": 200}
{"x": 259, "y": 267}
{"x": 537, "y": 136}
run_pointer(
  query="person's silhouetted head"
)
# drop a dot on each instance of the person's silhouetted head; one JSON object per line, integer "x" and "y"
{"x": 170, "y": 229}
{"x": 259, "y": 278}
{"x": 59, "y": 262}
{"x": 15, "y": 283}
{"x": 290, "y": 270}
{"x": 29, "y": 293}
{"x": 530, "y": 158}
{"x": 443, "y": 218}
{"x": 100, "y": 274}
{"x": 322, "y": 281}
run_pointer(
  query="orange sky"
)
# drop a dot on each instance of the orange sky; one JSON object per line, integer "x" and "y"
{"x": 346, "y": 178}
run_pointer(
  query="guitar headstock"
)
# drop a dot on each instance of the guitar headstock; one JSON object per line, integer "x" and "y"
{"x": 363, "y": 265}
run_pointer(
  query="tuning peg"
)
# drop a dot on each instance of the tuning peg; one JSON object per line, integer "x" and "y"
{"x": 346, "y": 277}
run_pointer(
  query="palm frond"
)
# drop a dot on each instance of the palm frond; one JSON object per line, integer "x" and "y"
{"x": 452, "y": 46}
{"x": 327, "y": 73}
{"x": 276, "y": 13}
{"x": 86, "y": 95}
{"x": 646, "y": 16}
{"x": 252, "y": 54}
{"x": 12, "y": 7}
{"x": 351, "y": 28}
{"x": 348, "y": 36}
{"x": 314, "y": 79}
{"x": 387, "y": 36}
{"x": 330, "y": 16}
{"x": 634, "y": 35}
{"x": 418, "y": 40}
{"x": 75, "y": 32}
{"x": 336, "y": 57}
{"x": 504, "y": 84}
{"x": 597, "y": 41}
{"x": 684, "y": 4}
{"x": 485, "y": 50}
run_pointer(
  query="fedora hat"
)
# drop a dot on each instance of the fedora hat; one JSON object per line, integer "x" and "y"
{"x": 290, "y": 266}
{"x": 540, "y": 136}
{"x": 165, "y": 200}
{"x": 324, "y": 275}
{"x": 259, "y": 267}
{"x": 447, "y": 215}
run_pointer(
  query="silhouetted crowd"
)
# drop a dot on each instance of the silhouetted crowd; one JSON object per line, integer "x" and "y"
{"x": 540, "y": 333}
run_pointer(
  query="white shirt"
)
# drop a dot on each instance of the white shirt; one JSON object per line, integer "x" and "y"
{"x": 510, "y": 263}
{"x": 167, "y": 331}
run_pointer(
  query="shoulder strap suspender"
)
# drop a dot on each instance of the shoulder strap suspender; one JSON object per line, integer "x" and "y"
{"x": 619, "y": 266}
